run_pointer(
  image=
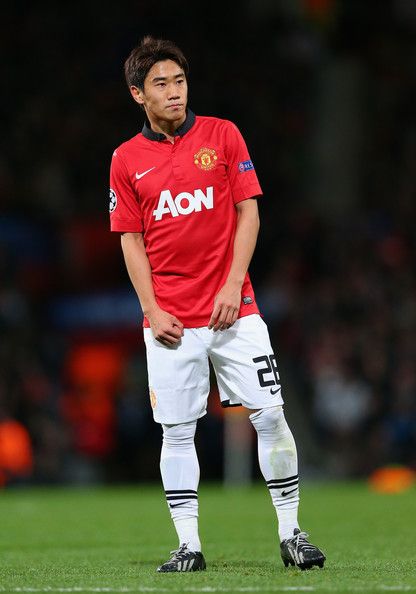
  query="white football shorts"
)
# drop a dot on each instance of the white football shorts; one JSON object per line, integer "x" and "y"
{"x": 243, "y": 361}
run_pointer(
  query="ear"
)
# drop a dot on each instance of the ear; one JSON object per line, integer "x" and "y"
{"x": 137, "y": 95}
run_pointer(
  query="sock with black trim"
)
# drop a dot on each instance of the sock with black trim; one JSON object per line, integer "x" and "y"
{"x": 279, "y": 465}
{"x": 179, "y": 468}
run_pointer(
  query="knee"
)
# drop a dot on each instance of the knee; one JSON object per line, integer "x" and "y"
{"x": 268, "y": 420}
{"x": 181, "y": 435}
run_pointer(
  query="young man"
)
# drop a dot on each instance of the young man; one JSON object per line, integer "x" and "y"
{"x": 183, "y": 196}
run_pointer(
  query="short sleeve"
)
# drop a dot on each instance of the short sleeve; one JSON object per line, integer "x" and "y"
{"x": 240, "y": 168}
{"x": 125, "y": 211}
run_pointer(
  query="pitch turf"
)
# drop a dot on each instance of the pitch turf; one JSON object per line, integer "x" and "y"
{"x": 112, "y": 539}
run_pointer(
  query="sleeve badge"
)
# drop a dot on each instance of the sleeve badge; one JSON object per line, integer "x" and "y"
{"x": 245, "y": 166}
{"x": 113, "y": 201}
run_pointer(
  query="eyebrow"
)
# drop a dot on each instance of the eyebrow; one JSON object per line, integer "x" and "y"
{"x": 159, "y": 78}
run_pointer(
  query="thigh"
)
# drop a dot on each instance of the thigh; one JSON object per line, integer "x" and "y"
{"x": 178, "y": 378}
{"x": 245, "y": 364}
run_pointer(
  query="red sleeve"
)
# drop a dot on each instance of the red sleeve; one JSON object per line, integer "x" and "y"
{"x": 125, "y": 211}
{"x": 240, "y": 168}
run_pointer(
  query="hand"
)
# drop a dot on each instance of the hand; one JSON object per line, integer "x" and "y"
{"x": 166, "y": 328}
{"x": 226, "y": 307}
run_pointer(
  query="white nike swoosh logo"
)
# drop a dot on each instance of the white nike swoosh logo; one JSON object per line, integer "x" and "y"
{"x": 140, "y": 175}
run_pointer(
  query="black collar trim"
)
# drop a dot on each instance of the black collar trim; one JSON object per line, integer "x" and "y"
{"x": 181, "y": 131}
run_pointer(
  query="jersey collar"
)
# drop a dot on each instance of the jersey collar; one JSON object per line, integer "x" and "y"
{"x": 181, "y": 131}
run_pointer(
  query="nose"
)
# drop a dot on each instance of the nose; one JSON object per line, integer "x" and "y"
{"x": 173, "y": 92}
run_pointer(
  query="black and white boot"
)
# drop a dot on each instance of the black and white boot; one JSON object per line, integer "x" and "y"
{"x": 300, "y": 552}
{"x": 184, "y": 560}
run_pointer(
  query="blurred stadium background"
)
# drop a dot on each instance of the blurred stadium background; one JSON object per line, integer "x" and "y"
{"x": 324, "y": 93}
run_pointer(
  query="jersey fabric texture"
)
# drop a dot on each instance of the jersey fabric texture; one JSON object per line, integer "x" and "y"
{"x": 182, "y": 197}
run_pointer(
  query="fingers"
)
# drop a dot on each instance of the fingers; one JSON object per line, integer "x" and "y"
{"x": 166, "y": 341}
{"x": 169, "y": 336}
{"x": 234, "y": 316}
{"x": 224, "y": 319}
{"x": 229, "y": 319}
{"x": 214, "y": 316}
{"x": 176, "y": 323}
{"x": 166, "y": 328}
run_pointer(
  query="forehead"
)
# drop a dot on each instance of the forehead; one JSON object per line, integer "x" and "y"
{"x": 164, "y": 68}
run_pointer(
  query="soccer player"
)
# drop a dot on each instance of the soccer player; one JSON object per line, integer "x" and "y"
{"x": 184, "y": 198}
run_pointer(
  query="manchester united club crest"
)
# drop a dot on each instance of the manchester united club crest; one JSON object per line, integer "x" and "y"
{"x": 205, "y": 159}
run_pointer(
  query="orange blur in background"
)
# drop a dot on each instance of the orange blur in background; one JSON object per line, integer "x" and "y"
{"x": 392, "y": 479}
{"x": 16, "y": 456}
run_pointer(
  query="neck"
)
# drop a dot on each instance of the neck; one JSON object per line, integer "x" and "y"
{"x": 164, "y": 127}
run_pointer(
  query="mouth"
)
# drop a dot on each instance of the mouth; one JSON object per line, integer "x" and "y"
{"x": 175, "y": 106}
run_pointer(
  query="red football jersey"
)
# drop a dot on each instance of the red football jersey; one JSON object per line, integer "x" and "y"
{"x": 182, "y": 197}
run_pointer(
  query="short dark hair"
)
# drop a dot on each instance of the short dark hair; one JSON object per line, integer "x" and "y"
{"x": 146, "y": 54}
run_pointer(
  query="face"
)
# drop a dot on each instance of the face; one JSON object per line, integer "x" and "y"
{"x": 165, "y": 92}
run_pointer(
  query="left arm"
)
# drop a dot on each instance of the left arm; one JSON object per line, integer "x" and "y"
{"x": 228, "y": 300}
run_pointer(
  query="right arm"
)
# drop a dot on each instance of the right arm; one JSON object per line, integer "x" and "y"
{"x": 166, "y": 328}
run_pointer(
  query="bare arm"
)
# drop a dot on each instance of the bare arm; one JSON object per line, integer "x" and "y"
{"x": 227, "y": 301}
{"x": 166, "y": 328}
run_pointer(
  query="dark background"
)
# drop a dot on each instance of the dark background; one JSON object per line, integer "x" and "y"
{"x": 324, "y": 94}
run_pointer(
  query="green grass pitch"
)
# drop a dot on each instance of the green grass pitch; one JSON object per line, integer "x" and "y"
{"x": 112, "y": 539}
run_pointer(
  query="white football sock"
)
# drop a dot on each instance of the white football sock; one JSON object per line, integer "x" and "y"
{"x": 180, "y": 475}
{"x": 279, "y": 465}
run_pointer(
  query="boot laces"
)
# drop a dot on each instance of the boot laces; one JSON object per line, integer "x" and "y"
{"x": 301, "y": 541}
{"x": 180, "y": 553}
